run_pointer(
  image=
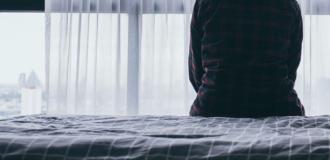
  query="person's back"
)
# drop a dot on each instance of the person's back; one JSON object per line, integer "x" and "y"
{"x": 244, "y": 56}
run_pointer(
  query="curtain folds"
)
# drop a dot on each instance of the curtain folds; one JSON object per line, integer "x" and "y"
{"x": 314, "y": 73}
{"x": 118, "y": 57}
{"x": 129, "y": 57}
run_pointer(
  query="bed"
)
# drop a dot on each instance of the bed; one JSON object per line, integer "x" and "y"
{"x": 46, "y": 137}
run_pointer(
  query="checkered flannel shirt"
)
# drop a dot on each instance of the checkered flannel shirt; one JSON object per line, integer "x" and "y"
{"x": 244, "y": 56}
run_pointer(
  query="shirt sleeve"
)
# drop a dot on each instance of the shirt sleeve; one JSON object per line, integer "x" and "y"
{"x": 195, "y": 60}
{"x": 296, "y": 45}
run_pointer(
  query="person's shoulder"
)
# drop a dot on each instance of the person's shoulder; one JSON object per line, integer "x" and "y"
{"x": 293, "y": 2}
{"x": 294, "y": 6}
{"x": 201, "y": 2}
{"x": 208, "y": 5}
{"x": 207, "y": 2}
{"x": 291, "y": 6}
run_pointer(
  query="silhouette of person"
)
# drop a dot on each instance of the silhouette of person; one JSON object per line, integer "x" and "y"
{"x": 244, "y": 56}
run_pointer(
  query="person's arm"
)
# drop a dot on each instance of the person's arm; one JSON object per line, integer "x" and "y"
{"x": 195, "y": 58}
{"x": 296, "y": 45}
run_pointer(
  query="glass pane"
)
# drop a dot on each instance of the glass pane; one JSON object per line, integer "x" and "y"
{"x": 318, "y": 38}
{"x": 21, "y": 63}
{"x": 164, "y": 82}
{"x": 88, "y": 63}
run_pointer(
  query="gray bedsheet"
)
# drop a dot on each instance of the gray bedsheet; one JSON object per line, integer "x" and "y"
{"x": 150, "y": 137}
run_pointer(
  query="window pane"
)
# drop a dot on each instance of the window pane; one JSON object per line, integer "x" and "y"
{"x": 164, "y": 84}
{"x": 88, "y": 63}
{"x": 317, "y": 38}
{"x": 22, "y": 52}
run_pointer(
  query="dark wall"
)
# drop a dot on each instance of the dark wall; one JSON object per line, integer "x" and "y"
{"x": 22, "y": 5}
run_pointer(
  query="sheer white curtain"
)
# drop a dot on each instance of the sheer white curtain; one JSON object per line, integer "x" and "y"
{"x": 118, "y": 57}
{"x": 314, "y": 74}
{"x": 121, "y": 57}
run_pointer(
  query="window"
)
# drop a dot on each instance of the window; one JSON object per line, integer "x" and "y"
{"x": 313, "y": 81}
{"x": 23, "y": 38}
{"x": 22, "y": 56}
{"x": 142, "y": 84}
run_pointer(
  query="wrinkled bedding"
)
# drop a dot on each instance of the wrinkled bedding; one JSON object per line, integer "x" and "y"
{"x": 42, "y": 137}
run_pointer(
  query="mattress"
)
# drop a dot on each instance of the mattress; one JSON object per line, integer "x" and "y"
{"x": 47, "y": 137}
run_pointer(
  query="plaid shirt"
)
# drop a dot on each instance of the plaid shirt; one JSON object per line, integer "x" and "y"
{"x": 244, "y": 56}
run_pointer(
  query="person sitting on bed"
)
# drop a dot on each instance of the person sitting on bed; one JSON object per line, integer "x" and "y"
{"x": 244, "y": 56}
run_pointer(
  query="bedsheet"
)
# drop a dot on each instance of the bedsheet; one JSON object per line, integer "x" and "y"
{"x": 50, "y": 137}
